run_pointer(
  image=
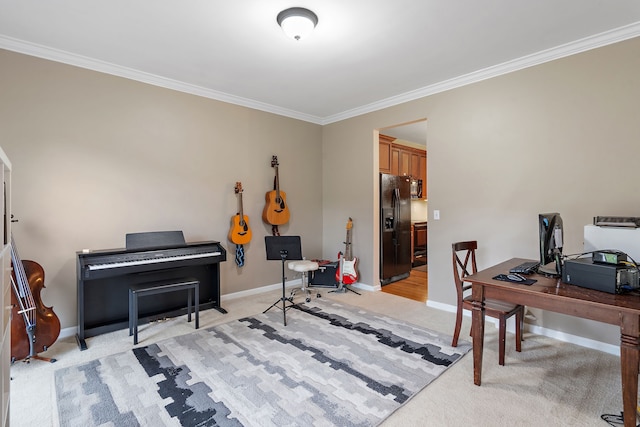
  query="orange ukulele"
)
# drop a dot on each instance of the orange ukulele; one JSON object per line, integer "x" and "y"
{"x": 346, "y": 273}
{"x": 276, "y": 211}
{"x": 240, "y": 233}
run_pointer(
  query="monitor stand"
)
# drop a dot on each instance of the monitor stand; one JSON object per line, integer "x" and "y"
{"x": 550, "y": 269}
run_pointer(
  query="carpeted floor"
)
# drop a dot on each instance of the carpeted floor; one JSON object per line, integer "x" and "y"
{"x": 550, "y": 383}
{"x": 333, "y": 364}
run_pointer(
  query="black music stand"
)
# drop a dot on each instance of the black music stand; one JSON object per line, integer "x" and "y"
{"x": 283, "y": 248}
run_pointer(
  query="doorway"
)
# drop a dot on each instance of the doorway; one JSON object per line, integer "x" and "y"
{"x": 402, "y": 151}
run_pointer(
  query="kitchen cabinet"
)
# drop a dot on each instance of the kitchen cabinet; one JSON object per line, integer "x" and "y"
{"x": 398, "y": 159}
{"x": 395, "y": 160}
{"x": 405, "y": 163}
{"x": 419, "y": 243}
{"x": 385, "y": 153}
{"x": 416, "y": 167}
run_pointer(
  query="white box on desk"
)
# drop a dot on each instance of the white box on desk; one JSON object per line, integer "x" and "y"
{"x": 623, "y": 239}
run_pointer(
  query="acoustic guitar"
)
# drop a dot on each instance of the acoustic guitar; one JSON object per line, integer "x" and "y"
{"x": 240, "y": 233}
{"x": 346, "y": 272}
{"x": 276, "y": 211}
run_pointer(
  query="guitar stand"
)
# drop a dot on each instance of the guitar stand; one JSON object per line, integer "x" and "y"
{"x": 32, "y": 353}
{"x": 28, "y": 359}
{"x": 283, "y": 248}
{"x": 342, "y": 288}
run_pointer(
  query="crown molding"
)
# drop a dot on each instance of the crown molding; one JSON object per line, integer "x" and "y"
{"x": 68, "y": 58}
{"x": 568, "y": 49}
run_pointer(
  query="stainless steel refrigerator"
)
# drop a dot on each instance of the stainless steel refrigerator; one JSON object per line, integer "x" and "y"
{"x": 395, "y": 228}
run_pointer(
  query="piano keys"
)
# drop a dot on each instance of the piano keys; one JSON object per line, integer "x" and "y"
{"x": 120, "y": 263}
{"x": 104, "y": 278}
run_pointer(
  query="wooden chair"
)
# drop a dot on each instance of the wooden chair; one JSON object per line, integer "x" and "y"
{"x": 493, "y": 308}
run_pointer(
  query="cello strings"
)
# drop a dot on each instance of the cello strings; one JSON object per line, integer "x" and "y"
{"x": 22, "y": 293}
{"x": 15, "y": 289}
{"x": 23, "y": 283}
{"x": 23, "y": 309}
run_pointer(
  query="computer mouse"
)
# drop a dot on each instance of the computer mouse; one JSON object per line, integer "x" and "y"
{"x": 516, "y": 277}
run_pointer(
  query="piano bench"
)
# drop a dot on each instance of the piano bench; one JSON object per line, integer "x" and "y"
{"x": 159, "y": 287}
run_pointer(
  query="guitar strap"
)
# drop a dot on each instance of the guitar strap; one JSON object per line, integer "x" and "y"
{"x": 240, "y": 255}
{"x": 274, "y": 228}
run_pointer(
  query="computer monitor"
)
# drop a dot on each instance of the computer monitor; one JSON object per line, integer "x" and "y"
{"x": 550, "y": 226}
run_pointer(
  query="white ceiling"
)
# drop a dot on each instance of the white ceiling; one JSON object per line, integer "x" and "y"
{"x": 413, "y": 132}
{"x": 363, "y": 55}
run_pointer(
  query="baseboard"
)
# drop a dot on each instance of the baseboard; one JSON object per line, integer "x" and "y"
{"x": 539, "y": 330}
{"x": 69, "y": 332}
{"x": 551, "y": 333}
{"x": 368, "y": 288}
{"x": 260, "y": 290}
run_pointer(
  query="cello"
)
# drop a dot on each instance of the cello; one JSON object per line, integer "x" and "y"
{"x": 34, "y": 327}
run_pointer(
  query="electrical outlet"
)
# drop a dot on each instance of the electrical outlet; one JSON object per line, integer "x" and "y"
{"x": 436, "y": 214}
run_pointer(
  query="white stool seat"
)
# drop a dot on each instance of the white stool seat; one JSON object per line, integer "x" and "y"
{"x": 303, "y": 266}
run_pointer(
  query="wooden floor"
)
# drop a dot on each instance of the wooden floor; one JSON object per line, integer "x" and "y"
{"x": 414, "y": 287}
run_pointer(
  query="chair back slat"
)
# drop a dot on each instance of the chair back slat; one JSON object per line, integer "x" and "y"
{"x": 463, "y": 251}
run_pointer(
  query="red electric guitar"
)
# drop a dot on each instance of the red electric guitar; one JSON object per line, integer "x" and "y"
{"x": 346, "y": 273}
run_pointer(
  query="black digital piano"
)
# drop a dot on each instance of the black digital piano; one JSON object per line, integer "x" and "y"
{"x": 104, "y": 278}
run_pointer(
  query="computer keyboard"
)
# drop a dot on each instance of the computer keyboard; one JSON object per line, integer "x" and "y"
{"x": 525, "y": 268}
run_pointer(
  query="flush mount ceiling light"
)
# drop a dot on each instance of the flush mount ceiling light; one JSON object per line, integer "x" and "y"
{"x": 297, "y": 22}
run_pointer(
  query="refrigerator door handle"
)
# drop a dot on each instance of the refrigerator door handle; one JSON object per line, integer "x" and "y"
{"x": 396, "y": 205}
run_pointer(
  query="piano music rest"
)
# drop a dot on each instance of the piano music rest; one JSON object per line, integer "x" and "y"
{"x": 159, "y": 287}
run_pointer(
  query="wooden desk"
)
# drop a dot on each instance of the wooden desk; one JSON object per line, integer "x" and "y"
{"x": 553, "y": 295}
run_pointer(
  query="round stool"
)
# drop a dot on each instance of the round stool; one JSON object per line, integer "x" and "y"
{"x": 303, "y": 267}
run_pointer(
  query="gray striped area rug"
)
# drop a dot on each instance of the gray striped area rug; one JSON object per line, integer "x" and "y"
{"x": 332, "y": 365}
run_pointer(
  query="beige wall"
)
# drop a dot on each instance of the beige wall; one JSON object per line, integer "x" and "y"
{"x": 562, "y": 136}
{"x": 95, "y": 157}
